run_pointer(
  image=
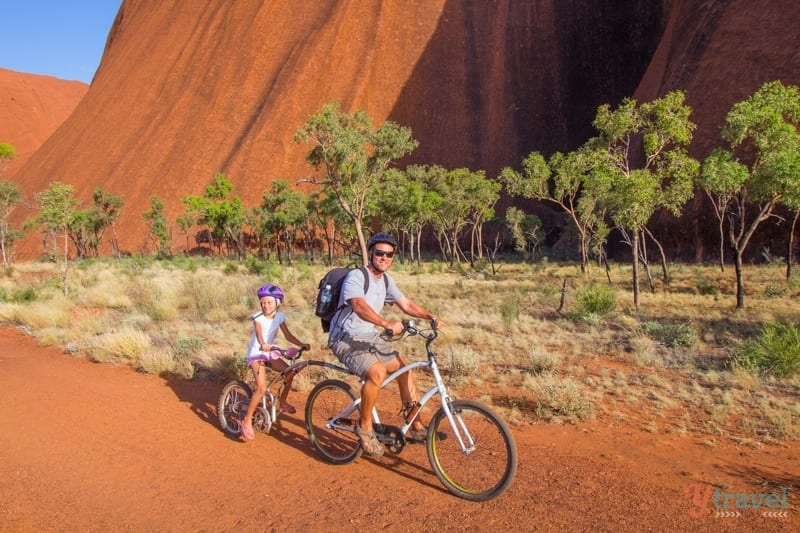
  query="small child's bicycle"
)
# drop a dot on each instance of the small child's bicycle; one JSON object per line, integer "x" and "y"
{"x": 470, "y": 448}
{"x": 235, "y": 398}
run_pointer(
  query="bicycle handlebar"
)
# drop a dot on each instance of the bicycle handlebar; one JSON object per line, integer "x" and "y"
{"x": 289, "y": 353}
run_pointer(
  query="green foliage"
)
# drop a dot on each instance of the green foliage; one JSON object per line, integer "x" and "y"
{"x": 672, "y": 335}
{"x": 87, "y": 226}
{"x": 223, "y": 215}
{"x": 578, "y": 186}
{"x": 509, "y": 310}
{"x": 7, "y": 152}
{"x": 776, "y": 351}
{"x": 762, "y": 166}
{"x": 354, "y": 157}
{"x": 19, "y": 296}
{"x": 10, "y": 198}
{"x": 282, "y": 215}
{"x": 470, "y": 199}
{"x": 706, "y": 287}
{"x": 185, "y": 347}
{"x": 158, "y": 227}
{"x": 596, "y": 299}
{"x": 526, "y": 231}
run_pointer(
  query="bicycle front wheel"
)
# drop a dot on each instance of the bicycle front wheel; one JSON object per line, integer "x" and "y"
{"x": 476, "y": 459}
{"x": 335, "y": 438}
{"x": 232, "y": 406}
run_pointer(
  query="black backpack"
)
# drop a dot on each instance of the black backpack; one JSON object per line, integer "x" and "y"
{"x": 330, "y": 287}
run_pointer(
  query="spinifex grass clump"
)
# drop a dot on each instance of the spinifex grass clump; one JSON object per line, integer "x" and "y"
{"x": 775, "y": 351}
{"x": 672, "y": 335}
{"x": 594, "y": 300}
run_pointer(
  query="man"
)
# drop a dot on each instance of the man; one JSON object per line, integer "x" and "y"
{"x": 358, "y": 345}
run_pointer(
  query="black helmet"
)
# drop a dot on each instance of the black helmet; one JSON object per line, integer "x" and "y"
{"x": 381, "y": 237}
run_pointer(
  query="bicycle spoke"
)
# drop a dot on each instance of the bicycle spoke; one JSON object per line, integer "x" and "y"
{"x": 481, "y": 471}
{"x": 335, "y": 438}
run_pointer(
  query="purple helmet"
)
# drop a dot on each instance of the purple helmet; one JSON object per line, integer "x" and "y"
{"x": 270, "y": 290}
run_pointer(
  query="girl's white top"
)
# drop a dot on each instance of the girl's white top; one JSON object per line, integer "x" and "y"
{"x": 269, "y": 330}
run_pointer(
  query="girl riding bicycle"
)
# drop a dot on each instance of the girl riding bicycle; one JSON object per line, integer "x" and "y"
{"x": 260, "y": 352}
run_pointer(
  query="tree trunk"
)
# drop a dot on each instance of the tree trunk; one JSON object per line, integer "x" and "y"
{"x": 722, "y": 244}
{"x": 646, "y": 263}
{"x": 664, "y": 268}
{"x": 635, "y": 250}
{"x": 791, "y": 242}
{"x": 739, "y": 281}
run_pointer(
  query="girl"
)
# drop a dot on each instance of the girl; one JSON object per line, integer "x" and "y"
{"x": 260, "y": 352}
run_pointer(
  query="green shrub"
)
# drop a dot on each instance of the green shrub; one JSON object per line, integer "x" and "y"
{"x": 18, "y": 296}
{"x": 672, "y": 335}
{"x": 775, "y": 351}
{"x": 707, "y": 288}
{"x": 187, "y": 346}
{"x": 509, "y": 311}
{"x": 774, "y": 291}
{"x": 594, "y": 301}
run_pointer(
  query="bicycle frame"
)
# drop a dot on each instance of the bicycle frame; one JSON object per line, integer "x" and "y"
{"x": 470, "y": 448}
{"x": 267, "y": 412}
{"x": 465, "y": 440}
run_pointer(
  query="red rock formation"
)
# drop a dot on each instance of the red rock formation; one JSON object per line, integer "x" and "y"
{"x": 32, "y": 107}
{"x": 183, "y": 92}
{"x": 720, "y": 53}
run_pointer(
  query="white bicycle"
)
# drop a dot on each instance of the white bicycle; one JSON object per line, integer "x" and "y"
{"x": 470, "y": 448}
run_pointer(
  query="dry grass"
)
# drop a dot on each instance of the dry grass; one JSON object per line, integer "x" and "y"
{"x": 665, "y": 367}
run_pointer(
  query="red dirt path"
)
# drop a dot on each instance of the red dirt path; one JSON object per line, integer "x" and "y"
{"x": 91, "y": 447}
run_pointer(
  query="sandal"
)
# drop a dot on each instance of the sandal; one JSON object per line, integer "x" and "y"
{"x": 247, "y": 433}
{"x": 369, "y": 442}
{"x": 417, "y": 435}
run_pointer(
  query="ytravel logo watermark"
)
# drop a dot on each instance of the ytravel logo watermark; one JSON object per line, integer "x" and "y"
{"x": 707, "y": 500}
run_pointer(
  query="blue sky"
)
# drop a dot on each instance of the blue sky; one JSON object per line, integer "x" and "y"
{"x": 61, "y": 38}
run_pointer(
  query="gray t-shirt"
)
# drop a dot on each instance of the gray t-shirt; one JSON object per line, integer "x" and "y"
{"x": 378, "y": 294}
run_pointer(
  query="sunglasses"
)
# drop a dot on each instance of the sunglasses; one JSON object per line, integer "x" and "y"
{"x": 381, "y": 253}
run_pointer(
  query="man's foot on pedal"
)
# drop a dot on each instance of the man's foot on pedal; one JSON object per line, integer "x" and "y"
{"x": 369, "y": 442}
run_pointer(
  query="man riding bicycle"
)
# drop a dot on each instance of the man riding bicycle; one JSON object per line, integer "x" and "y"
{"x": 356, "y": 343}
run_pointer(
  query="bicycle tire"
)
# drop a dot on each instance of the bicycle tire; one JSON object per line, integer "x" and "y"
{"x": 327, "y": 398}
{"x": 486, "y": 471}
{"x": 232, "y": 406}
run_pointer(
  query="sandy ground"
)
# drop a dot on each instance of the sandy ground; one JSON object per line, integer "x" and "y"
{"x": 90, "y": 447}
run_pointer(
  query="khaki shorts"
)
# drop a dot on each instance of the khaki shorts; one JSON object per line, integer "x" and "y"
{"x": 359, "y": 355}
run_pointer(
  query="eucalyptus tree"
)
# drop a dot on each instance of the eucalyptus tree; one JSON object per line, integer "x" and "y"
{"x": 10, "y": 198}
{"x": 761, "y": 170}
{"x": 158, "y": 227}
{"x": 87, "y": 226}
{"x": 56, "y": 206}
{"x": 354, "y": 158}
{"x": 221, "y": 212}
{"x": 642, "y": 148}
{"x": 467, "y": 200}
{"x": 579, "y": 184}
{"x": 283, "y": 214}
{"x": 526, "y": 231}
{"x": 406, "y": 206}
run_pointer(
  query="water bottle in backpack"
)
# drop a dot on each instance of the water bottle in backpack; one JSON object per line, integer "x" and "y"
{"x": 324, "y": 305}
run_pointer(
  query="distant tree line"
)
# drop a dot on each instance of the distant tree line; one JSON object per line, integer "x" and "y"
{"x": 635, "y": 167}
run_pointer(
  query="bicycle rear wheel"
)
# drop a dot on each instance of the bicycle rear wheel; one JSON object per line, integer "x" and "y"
{"x": 232, "y": 406}
{"x": 487, "y": 467}
{"x": 335, "y": 439}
